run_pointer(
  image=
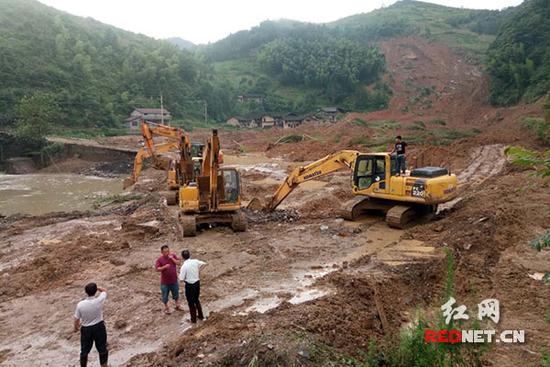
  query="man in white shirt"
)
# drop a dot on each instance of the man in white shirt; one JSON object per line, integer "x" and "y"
{"x": 189, "y": 274}
{"x": 88, "y": 317}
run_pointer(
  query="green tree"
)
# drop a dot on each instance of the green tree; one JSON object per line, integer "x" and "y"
{"x": 38, "y": 113}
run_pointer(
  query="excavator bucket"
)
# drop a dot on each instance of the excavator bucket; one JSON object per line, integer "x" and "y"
{"x": 255, "y": 204}
{"x": 127, "y": 182}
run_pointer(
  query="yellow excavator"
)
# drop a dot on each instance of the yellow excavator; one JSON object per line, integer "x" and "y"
{"x": 214, "y": 197}
{"x": 204, "y": 192}
{"x": 377, "y": 186}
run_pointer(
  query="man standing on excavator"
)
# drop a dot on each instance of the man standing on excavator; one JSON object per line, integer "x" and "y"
{"x": 399, "y": 150}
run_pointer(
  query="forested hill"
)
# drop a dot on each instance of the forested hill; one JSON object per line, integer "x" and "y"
{"x": 94, "y": 72}
{"x": 182, "y": 43}
{"x": 300, "y": 66}
{"x": 519, "y": 58}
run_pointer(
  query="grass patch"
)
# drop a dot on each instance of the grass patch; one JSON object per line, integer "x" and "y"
{"x": 418, "y": 125}
{"x": 291, "y": 138}
{"x": 115, "y": 199}
{"x": 384, "y": 124}
{"x": 359, "y": 122}
{"x": 359, "y": 140}
{"x": 538, "y": 126}
{"x": 541, "y": 242}
{"x": 447, "y": 135}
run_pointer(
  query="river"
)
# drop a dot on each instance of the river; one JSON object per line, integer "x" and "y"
{"x": 43, "y": 193}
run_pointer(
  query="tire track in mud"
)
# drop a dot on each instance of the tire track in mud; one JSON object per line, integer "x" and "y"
{"x": 487, "y": 161}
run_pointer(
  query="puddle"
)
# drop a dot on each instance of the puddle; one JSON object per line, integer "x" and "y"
{"x": 262, "y": 305}
{"x": 119, "y": 357}
{"x": 308, "y": 295}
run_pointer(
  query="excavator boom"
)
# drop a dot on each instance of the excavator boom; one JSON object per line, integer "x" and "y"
{"x": 330, "y": 163}
{"x": 177, "y": 141}
{"x": 144, "y": 153}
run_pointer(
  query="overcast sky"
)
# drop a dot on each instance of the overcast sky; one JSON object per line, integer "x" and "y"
{"x": 203, "y": 21}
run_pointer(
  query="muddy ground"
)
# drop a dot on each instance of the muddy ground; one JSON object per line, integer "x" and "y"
{"x": 301, "y": 286}
{"x": 300, "y": 282}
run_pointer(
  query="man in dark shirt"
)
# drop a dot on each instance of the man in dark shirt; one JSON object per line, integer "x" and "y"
{"x": 399, "y": 150}
{"x": 166, "y": 265}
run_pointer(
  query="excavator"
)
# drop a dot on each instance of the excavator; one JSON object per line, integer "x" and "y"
{"x": 180, "y": 171}
{"x": 215, "y": 195}
{"x": 376, "y": 185}
{"x": 204, "y": 192}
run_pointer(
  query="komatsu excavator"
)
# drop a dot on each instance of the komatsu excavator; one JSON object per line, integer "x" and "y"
{"x": 377, "y": 186}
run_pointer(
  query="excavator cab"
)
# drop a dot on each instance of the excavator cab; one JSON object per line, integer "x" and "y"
{"x": 231, "y": 185}
{"x": 372, "y": 168}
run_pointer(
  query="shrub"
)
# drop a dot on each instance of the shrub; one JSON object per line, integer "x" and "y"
{"x": 538, "y": 126}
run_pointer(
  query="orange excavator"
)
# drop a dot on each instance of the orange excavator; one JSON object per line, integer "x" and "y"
{"x": 180, "y": 171}
{"x": 205, "y": 192}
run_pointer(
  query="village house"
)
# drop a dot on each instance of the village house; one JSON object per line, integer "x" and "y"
{"x": 267, "y": 121}
{"x": 246, "y": 122}
{"x": 156, "y": 115}
{"x": 331, "y": 113}
{"x": 279, "y": 120}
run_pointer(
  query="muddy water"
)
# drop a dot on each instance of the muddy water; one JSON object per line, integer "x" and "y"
{"x": 43, "y": 193}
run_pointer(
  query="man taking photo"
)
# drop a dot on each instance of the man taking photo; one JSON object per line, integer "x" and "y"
{"x": 88, "y": 317}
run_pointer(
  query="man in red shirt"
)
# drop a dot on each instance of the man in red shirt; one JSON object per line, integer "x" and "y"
{"x": 166, "y": 265}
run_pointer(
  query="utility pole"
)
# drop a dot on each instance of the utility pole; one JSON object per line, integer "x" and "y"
{"x": 205, "y": 112}
{"x": 161, "y": 110}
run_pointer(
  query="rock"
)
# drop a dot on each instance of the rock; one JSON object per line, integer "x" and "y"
{"x": 323, "y": 227}
{"x": 304, "y": 354}
{"x": 117, "y": 262}
{"x": 200, "y": 355}
{"x": 120, "y": 324}
{"x": 125, "y": 245}
{"x": 345, "y": 265}
{"x": 152, "y": 226}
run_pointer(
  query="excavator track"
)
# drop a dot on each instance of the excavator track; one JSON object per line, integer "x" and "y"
{"x": 354, "y": 208}
{"x": 399, "y": 215}
{"x": 188, "y": 225}
{"x": 238, "y": 222}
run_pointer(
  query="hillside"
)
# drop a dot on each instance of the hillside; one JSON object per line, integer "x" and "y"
{"x": 241, "y": 57}
{"x": 96, "y": 73}
{"x": 181, "y": 43}
{"x": 519, "y": 58}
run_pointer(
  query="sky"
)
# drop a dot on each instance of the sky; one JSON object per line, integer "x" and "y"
{"x": 203, "y": 21}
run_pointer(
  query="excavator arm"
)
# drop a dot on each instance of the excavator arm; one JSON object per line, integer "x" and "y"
{"x": 144, "y": 153}
{"x": 177, "y": 141}
{"x": 331, "y": 163}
